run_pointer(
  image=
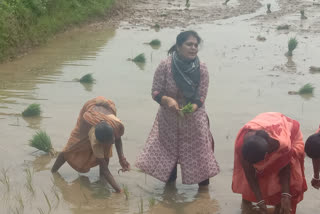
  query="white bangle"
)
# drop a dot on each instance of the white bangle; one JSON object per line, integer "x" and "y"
{"x": 261, "y": 202}
{"x": 316, "y": 179}
{"x": 286, "y": 194}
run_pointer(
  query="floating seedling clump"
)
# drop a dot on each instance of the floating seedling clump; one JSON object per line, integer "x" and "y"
{"x": 41, "y": 141}
{"x": 268, "y": 8}
{"x": 155, "y": 42}
{"x": 126, "y": 191}
{"x": 306, "y": 89}
{"x": 32, "y": 110}
{"x": 292, "y": 44}
{"x": 261, "y": 38}
{"x": 139, "y": 59}
{"x": 87, "y": 79}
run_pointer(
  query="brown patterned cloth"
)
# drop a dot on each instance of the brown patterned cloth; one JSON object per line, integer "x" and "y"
{"x": 82, "y": 149}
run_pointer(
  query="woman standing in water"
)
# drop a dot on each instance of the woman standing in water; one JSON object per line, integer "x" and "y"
{"x": 180, "y": 79}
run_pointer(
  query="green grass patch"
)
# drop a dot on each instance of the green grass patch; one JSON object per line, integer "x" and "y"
{"x": 140, "y": 58}
{"x": 306, "y": 89}
{"x": 292, "y": 44}
{"x": 41, "y": 141}
{"x": 27, "y": 23}
{"x": 88, "y": 78}
{"x": 32, "y": 110}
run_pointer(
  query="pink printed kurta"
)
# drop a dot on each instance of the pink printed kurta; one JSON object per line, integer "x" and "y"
{"x": 173, "y": 139}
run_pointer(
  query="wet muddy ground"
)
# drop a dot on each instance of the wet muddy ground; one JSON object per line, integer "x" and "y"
{"x": 247, "y": 76}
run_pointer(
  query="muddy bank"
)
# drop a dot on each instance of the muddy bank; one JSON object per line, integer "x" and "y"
{"x": 174, "y": 13}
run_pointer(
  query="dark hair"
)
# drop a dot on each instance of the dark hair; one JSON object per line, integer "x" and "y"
{"x": 103, "y": 132}
{"x": 182, "y": 37}
{"x": 312, "y": 146}
{"x": 254, "y": 148}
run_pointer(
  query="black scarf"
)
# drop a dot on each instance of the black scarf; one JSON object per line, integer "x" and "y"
{"x": 187, "y": 77}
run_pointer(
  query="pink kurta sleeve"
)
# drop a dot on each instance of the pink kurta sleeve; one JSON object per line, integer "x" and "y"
{"x": 158, "y": 85}
{"x": 204, "y": 82}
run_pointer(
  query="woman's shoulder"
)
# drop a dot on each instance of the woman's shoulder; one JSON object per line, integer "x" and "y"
{"x": 203, "y": 66}
{"x": 166, "y": 61}
{"x": 165, "y": 64}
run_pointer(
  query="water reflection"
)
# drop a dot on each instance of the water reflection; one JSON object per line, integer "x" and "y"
{"x": 85, "y": 196}
{"x": 175, "y": 203}
{"x": 291, "y": 65}
{"x": 20, "y": 78}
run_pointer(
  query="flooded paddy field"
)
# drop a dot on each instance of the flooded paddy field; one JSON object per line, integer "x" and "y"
{"x": 247, "y": 76}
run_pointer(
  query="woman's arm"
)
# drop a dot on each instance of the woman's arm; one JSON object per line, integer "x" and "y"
{"x": 250, "y": 173}
{"x": 158, "y": 85}
{"x": 284, "y": 176}
{"x": 107, "y": 174}
{"x": 123, "y": 162}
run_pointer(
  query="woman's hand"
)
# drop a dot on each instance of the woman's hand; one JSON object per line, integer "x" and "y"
{"x": 124, "y": 164}
{"x": 170, "y": 103}
{"x": 194, "y": 107}
{"x": 285, "y": 205}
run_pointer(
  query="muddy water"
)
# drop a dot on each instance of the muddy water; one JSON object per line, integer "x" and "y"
{"x": 246, "y": 77}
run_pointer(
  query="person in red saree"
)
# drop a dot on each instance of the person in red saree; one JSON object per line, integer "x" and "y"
{"x": 90, "y": 142}
{"x": 269, "y": 163}
{"x": 312, "y": 149}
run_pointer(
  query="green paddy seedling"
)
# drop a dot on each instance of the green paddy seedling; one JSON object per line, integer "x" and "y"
{"x": 140, "y": 58}
{"x": 4, "y": 179}
{"x": 155, "y": 42}
{"x": 32, "y": 110}
{"x": 152, "y": 202}
{"x": 268, "y": 8}
{"x": 41, "y": 141}
{"x": 88, "y": 78}
{"x": 306, "y": 89}
{"x": 292, "y": 45}
{"x": 140, "y": 206}
{"x": 187, "y": 108}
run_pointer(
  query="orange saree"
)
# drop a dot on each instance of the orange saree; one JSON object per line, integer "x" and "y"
{"x": 291, "y": 151}
{"x": 78, "y": 151}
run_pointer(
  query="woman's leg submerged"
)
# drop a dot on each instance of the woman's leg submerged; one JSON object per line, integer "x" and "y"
{"x": 173, "y": 175}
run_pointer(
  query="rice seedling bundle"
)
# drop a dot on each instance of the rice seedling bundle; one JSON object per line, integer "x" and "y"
{"x": 292, "y": 44}
{"x": 140, "y": 58}
{"x": 283, "y": 27}
{"x": 155, "y": 42}
{"x": 306, "y": 89}
{"x": 187, "y": 108}
{"x": 32, "y": 110}
{"x": 87, "y": 79}
{"x": 42, "y": 141}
